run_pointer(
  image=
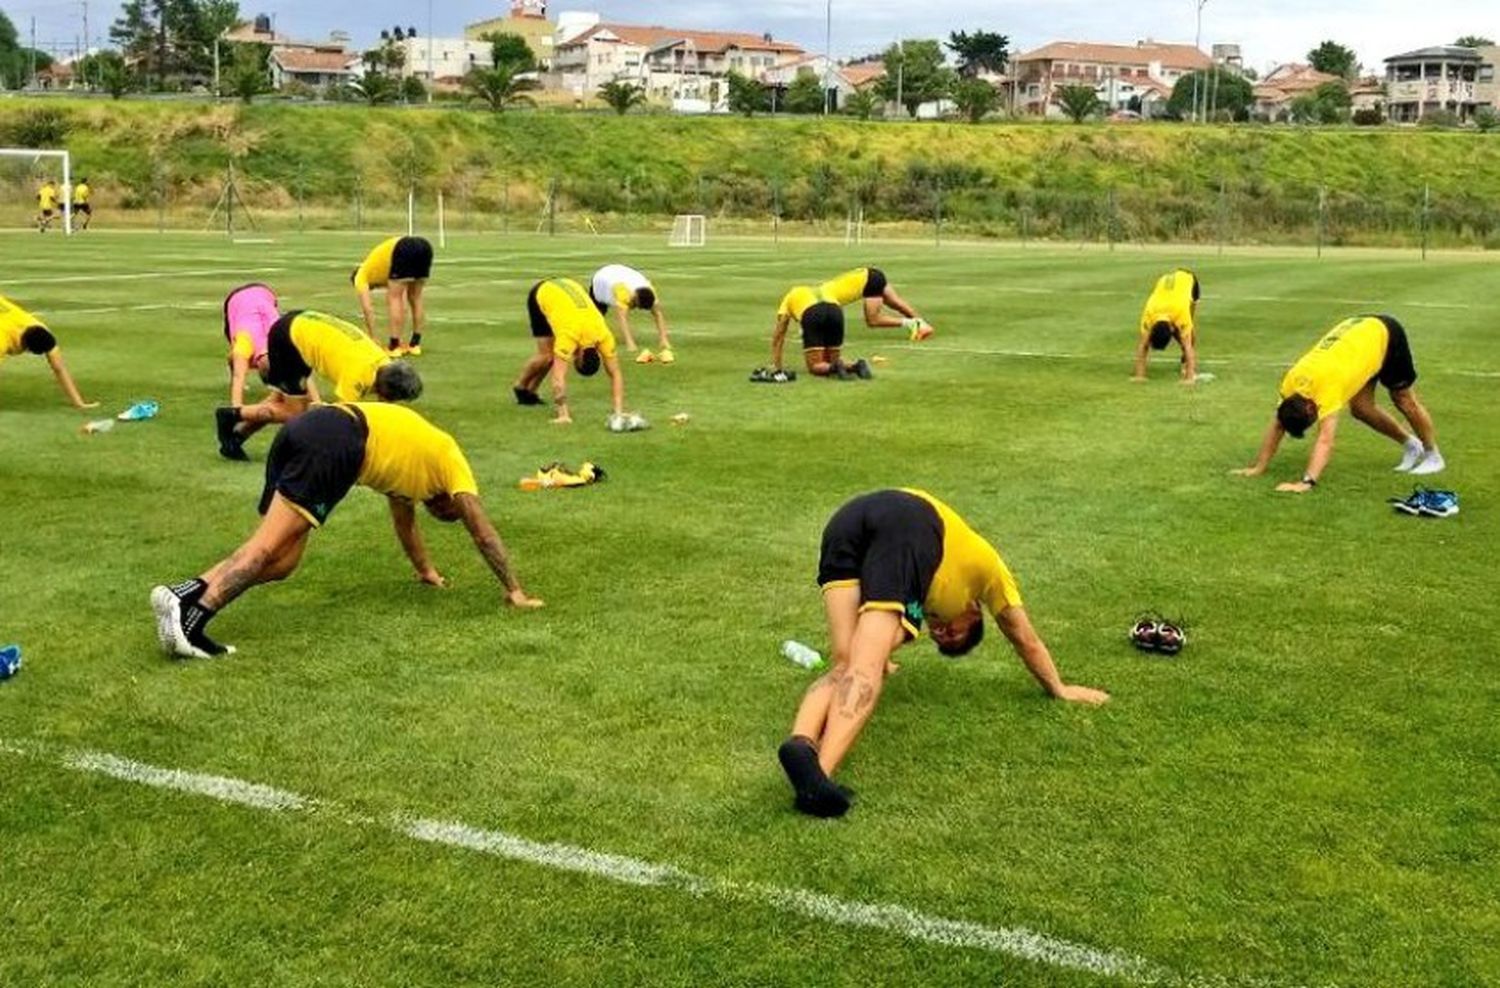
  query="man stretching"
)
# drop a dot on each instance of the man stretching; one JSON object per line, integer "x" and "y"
{"x": 873, "y": 291}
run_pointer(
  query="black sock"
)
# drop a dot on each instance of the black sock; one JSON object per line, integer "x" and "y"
{"x": 416, "y": 339}
{"x": 195, "y": 618}
{"x": 188, "y": 591}
{"x": 395, "y": 342}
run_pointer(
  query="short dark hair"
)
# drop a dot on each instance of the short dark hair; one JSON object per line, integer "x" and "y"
{"x": 1297, "y": 414}
{"x": 398, "y": 381}
{"x": 38, "y": 340}
{"x": 645, "y": 298}
{"x": 970, "y": 642}
{"x": 588, "y": 361}
{"x": 1161, "y": 335}
{"x": 352, "y": 275}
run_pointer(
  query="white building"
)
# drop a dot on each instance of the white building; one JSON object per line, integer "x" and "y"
{"x": 443, "y": 59}
{"x": 672, "y": 64}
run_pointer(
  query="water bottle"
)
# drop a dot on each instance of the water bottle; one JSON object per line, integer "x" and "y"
{"x": 799, "y": 654}
{"x": 10, "y": 661}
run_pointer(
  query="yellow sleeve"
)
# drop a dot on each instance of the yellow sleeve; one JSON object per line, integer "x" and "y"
{"x": 243, "y": 347}
{"x": 785, "y": 309}
{"x": 607, "y": 344}
{"x": 1002, "y": 591}
{"x": 564, "y": 341}
{"x": 458, "y": 476}
{"x": 624, "y": 297}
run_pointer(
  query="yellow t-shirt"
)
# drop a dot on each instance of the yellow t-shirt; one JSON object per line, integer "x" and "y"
{"x": 81, "y": 193}
{"x": 847, "y": 288}
{"x": 407, "y": 456}
{"x": 575, "y": 320}
{"x": 46, "y": 196}
{"x": 798, "y": 301}
{"x": 375, "y": 270}
{"x": 340, "y": 351}
{"x": 1342, "y": 363}
{"x": 14, "y": 321}
{"x": 971, "y": 570}
{"x": 1171, "y": 301}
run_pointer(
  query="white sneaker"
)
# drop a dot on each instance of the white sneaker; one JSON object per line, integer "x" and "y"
{"x": 168, "y": 608}
{"x": 1431, "y": 463}
{"x": 1412, "y": 455}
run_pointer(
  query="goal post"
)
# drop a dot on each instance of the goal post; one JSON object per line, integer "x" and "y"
{"x": 38, "y": 163}
{"x": 689, "y": 230}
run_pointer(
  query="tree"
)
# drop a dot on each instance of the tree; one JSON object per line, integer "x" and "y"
{"x": 982, "y": 51}
{"x": 375, "y": 87}
{"x": 107, "y": 71}
{"x": 1335, "y": 59}
{"x": 915, "y": 74}
{"x": 1218, "y": 89}
{"x": 500, "y": 87}
{"x": 16, "y": 61}
{"x": 1474, "y": 41}
{"x": 510, "y": 50}
{"x": 622, "y": 96}
{"x": 862, "y": 104}
{"x": 172, "y": 38}
{"x": 413, "y": 90}
{"x": 805, "y": 94}
{"x": 976, "y": 99}
{"x": 1328, "y": 104}
{"x": 1079, "y": 102}
{"x": 1486, "y": 119}
{"x": 746, "y": 95}
{"x": 248, "y": 75}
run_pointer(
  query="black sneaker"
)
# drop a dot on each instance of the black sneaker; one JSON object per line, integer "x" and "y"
{"x": 231, "y": 443}
{"x": 843, "y": 372}
{"x": 760, "y": 376}
{"x": 524, "y": 397}
{"x": 782, "y": 377}
{"x": 817, "y": 795}
{"x": 862, "y": 369}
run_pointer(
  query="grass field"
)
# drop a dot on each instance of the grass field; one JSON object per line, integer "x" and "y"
{"x": 1305, "y": 798}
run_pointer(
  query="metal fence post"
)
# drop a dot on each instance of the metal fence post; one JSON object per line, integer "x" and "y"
{"x": 1322, "y": 217}
{"x": 1426, "y": 216}
{"x": 937, "y": 212}
{"x": 301, "y": 195}
{"x": 552, "y": 208}
{"x": 1223, "y": 213}
{"x": 1109, "y": 219}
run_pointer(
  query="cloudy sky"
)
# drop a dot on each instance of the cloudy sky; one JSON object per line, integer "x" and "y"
{"x": 1270, "y": 30}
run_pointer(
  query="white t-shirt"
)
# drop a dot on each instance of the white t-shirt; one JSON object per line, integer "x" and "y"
{"x": 616, "y": 284}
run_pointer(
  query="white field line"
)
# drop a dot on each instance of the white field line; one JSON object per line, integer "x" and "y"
{"x": 1016, "y": 942}
{"x": 1036, "y": 354}
{"x": 145, "y": 275}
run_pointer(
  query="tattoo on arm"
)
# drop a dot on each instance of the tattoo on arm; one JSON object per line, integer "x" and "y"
{"x": 487, "y": 541}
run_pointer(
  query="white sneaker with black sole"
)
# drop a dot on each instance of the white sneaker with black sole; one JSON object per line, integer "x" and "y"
{"x": 174, "y": 641}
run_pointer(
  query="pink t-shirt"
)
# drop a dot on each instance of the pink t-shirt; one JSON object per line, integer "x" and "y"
{"x": 249, "y": 312}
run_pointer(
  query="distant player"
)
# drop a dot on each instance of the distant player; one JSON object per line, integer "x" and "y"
{"x": 47, "y": 203}
{"x": 82, "y": 210}
{"x": 569, "y": 332}
{"x": 298, "y": 344}
{"x": 400, "y": 265}
{"x": 1171, "y": 313}
{"x": 822, "y": 322}
{"x": 620, "y": 289}
{"x": 22, "y": 332}
{"x": 889, "y": 559}
{"x": 1343, "y": 369}
{"x": 869, "y": 287}
{"x": 312, "y": 464}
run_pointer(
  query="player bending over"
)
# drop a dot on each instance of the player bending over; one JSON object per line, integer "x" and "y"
{"x": 22, "y": 332}
{"x": 1171, "y": 313}
{"x": 870, "y": 287}
{"x": 889, "y": 559}
{"x": 569, "y": 332}
{"x": 621, "y": 289}
{"x": 299, "y": 343}
{"x": 400, "y": 265}
{"x": 83, "y": 212}
{"x": 822, "y": 323}
{"x": 313, "y": 463}
{"x": 1343, "y": 369}
{"x": 46, "y": 204}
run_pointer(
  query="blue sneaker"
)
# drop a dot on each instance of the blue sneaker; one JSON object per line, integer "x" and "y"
{"x": 1411, "y": 504}
{"x": 139, "y": 412}
{"x": 10, "y": 661}
{"x": 1439, "y": 504}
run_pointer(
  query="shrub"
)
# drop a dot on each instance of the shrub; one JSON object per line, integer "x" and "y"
{"x": 1368, "y": 116}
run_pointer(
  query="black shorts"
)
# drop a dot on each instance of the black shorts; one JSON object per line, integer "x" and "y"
{"x": 875, "y": 283}
{"x": 84, "y": 208}
{"x": 286, "y": 371}
{"x": 540, "y": 327}
{"x": 46, "y": 214}
{"x": 315, "y": 460}
{"x": 1397, "y": 372}
{"x": 411, "y": 260}
{"x": 822, "y": 326}
{"x": 891, "y": 544}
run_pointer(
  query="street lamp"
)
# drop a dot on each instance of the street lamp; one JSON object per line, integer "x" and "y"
{"x": 827, "y": 54}
{"x": 1198, "y": 46}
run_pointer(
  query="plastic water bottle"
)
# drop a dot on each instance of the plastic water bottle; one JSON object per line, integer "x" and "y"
{"x": 10, "y": 661}
{"x": 799, "y": 654}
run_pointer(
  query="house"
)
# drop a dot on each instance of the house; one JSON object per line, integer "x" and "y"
{"x": 528, "y": 20}
{"x": 1120, "y": 74}
{"x": 1367, "y": 94}
{"x": 839, "y": 86}
{"x": 319, "y": 68}
{"x": 671, "y": 63}
{"x": 1281, "y": 86}
{"x": 433, "y": 60}
{"x": 1444, "y": 77}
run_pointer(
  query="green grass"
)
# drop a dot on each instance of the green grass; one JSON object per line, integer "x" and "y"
{"x": 1305, "y": 797}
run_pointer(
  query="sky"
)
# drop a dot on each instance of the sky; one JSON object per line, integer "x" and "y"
{"x": 1270, "y": 31}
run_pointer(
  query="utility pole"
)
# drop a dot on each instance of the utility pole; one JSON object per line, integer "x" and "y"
{"x": 431, "y": 79}
{"x": 1198, "y": 46}
{"x": 827, "y": 54}
{"x": 81, "y": 63}
{"x": 33, "y": 51}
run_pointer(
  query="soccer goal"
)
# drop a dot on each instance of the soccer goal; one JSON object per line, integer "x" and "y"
{"x": 689, "y": 231}
{"x": 22, "y": 170}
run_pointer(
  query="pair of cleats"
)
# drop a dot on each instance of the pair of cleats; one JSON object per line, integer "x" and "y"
{"x": 405, "y": 350}
{"x": 816, "y": 794}
{"x": 860, "y": 370}
{"x": 1427, "y": 504}
{"x": 231, "y": 443}
{"x": 665, "y": 356}
{"x": 1152, "y": 634}
{"x": 1420, "y": 462}
{"x": 763, "y": 375}
{"x": 525, "y": 397}
{"x": 919, "y": 330}
{"x": 176, "y": 642}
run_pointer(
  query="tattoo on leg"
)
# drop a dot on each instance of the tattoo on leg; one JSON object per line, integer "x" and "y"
{"x": 855, "y": 694}
{"x": 241, "y": 572}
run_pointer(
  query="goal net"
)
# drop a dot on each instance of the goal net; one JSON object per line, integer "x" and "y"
{"x": 689, "y": 231}
{"x": 23, "y": 172}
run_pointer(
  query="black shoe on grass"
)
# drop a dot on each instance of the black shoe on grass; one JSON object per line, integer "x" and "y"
{"x": 817, "y": 795}
{"x": 231, "y": 443}
{"x": 524, "y": 397}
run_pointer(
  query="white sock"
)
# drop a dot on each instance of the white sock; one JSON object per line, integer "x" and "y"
{"x": 1431, "y": 463}
{"x": 1412, "y": 453}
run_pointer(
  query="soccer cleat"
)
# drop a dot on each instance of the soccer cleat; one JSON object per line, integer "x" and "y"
{"x": 1411, "y": 504}
{"x": 415, "y": 350}
{"x": 1430, "y": 463}
{"x": 1145, "y": 634}
{"x": 843, "y": 372}
{"x": 170, "y": 633}
{"x": 524, "y": 397}
{"x": 760, "y": 376}
{"x": 1438, "y": 504}
{"x": 779, "y": 376}
{"x": 922, "y": 332}
{"x": 645, "y": 357}
{"x": 816, "y": 794}
{"x": 666, "y": 356}
{"x": 231, "y": 443}
{"x": 862, "y": 369}
{"x": 139, "y": 412}
{"x": 1170, "y": 638}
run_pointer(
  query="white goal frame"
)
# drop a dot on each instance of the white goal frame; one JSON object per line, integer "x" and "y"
{"x": 33, "y": 155}
{"x": 683, "y": 227}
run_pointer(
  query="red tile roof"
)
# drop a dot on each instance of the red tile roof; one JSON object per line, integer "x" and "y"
{"x": 1171, "y": 56}
{"x": 299, "y": 60}
{"x": 655, "y": 37}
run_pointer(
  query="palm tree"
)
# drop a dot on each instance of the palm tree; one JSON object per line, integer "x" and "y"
{"x": 375, "y": 88}
{"x": 499, "y": 87}
{"x": 862, "y": 103}
{"x": 1079, "y": 102}
{"x": 621, "y": 96}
